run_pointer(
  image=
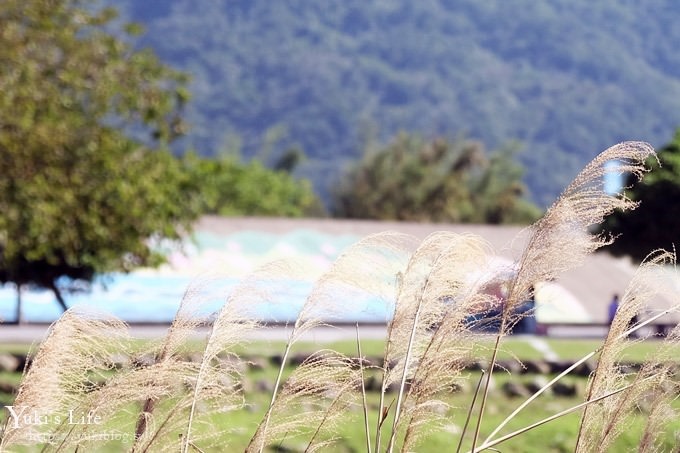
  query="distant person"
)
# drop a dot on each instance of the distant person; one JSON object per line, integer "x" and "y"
{"x": 613, "y": 308}
{"x": 527, "y": 315}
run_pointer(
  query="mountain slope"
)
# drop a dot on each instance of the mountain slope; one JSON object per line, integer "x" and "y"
{"x": 567, "y": 78}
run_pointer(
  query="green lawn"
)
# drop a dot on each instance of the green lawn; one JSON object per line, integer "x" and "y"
{"x": 556, "y": 436}
{"x": 235, "y": 428}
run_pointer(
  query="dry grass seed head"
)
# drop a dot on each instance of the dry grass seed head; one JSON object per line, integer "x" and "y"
{"x": 561, "y": 239}
{"x": 452, "y": 346}
{"x": 261, "y": 292}
{"x": 191, "y": 314}
{"x": 663, "y": 390}
{"x": 435, "y": 284}
{"x": 660, "y": 398}
{"x": 365, "y": 270}
{"x": 429, "y": 351}
{"x": 603, "y": 422}
{"x": 179, "y": 394}
{"x": 70, "y": 363}
{"x": 320, "y": 390}
{"x": 214, "y": 383}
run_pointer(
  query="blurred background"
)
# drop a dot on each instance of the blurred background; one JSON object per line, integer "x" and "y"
{"x": 123, "y": 124}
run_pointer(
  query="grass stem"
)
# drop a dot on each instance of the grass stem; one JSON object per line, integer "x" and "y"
{"x": 469, "y": 413}
{"x": 488, "y": 444}
{"x": 363, "y": 391}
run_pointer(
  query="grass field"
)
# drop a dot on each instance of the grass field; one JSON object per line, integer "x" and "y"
{"x": 235, "y": 428}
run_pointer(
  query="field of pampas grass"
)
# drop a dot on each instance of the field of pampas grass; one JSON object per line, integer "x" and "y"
{"x": 74, "y": 398}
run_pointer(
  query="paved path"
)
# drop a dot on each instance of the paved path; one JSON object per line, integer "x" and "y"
{"x": 31, "y": 333}
{"x": 543, "y": 347}
{"x": 36, "y": 332}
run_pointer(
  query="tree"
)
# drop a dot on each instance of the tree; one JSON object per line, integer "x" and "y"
{"x": 656, "y": 221}
{"x": 86, "y": 179}
{"x": 230, "y": 187}
{"x": 439, "y": 181}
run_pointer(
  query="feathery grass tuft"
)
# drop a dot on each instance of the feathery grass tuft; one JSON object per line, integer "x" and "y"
{"x": 70, "y": 363}
{"x": 602, "y": 423}
{"x": 321, "y": 388}
{"x": 365, "y": 269}
{"x": 427, "y": 337}
{"x": 560, "y": 240}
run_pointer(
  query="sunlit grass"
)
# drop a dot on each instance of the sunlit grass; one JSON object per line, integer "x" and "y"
{"x": 558, "y": 436}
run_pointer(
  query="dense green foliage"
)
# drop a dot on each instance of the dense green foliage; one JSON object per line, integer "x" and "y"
{"x": 78, "y": 196}
{"x": 88, "y": 181}
{"x": 656, "y": 222}
{"x": 229, "y": 187}
{"x": 441, "y": 181}
{"x": 567, "y": 78}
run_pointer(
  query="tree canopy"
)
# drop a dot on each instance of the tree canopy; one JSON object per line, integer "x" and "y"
{"x": 86, "y": 178}
{"x": 655, "y": 223}
{"x": 231, "y": 187}
{"x": 441, "y": 181}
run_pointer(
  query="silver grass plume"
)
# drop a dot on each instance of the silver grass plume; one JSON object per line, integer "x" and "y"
{"x": 212, "y": 384}
{"x": 649, "y": 280}
{"x": 410, "y": 286}
{"x": 168, "y": 371}
{"x": 366, "y": 269}
{"x": 451, "y": 346}
{"x": 662, "y": 395}
{"x": 409, "y": 281}
{"x": 561, "y": 240}
{"x": 311, "y": 402}
{"x": 155, "y": 377}
{"x": 71, "y": 362}
{"x": 171, "y": 387}
{"x": 603, "y": 422}
{"x": 267, "y": 286}
{"x": 415, "y": 309}
{"x": 434, "y": 294}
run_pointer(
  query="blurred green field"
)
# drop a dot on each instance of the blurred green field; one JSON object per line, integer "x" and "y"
{"x": 234, "y": 429}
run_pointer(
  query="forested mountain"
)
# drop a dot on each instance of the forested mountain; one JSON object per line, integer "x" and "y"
{"x": 566, "y": 78}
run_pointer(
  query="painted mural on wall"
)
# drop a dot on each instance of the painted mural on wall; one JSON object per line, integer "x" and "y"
{"x": 153, "y": 295}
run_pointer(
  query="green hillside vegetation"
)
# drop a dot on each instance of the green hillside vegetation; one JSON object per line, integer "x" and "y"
{"x": 440, "y": 181}
{"x": 565, "y": 78}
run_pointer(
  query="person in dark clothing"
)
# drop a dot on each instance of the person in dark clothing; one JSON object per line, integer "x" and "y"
{"x": 527, "y": 315}
{"x": 613, "y": 308}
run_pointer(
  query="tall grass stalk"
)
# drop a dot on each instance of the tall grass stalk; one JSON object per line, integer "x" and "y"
{"x": 489, "y": 444}
{"x": 614, "y": 336}
{"x": 364, "y": 402}
{"x": 601, "y": 425}
{"x": 421, "y": 303}
{"x": 560, "y": 240}
{"x": 364, "y": 266}
{"x": 471, "y": 408}
{"x": 233, "y": 322}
